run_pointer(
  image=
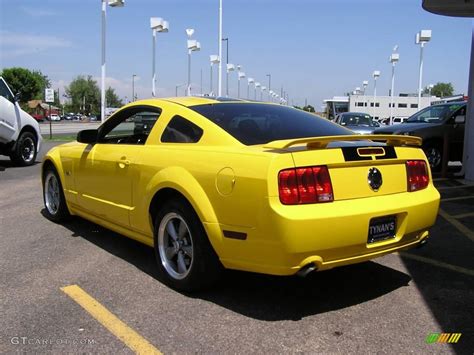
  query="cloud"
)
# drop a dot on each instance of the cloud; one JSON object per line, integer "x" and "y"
{"x": 17, "y": 44}
{"x": 38, "y": 12}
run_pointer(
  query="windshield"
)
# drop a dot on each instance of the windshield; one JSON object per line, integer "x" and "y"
{"x": 434, "y": 114}
{"x": 357, "y": 120}
{"x": 252, "y": 123}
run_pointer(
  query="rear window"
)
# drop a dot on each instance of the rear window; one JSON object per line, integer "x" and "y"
{"x": 252, "y": 123}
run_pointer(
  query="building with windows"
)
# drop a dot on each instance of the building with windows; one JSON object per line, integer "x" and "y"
{"x": 404, "y": 105}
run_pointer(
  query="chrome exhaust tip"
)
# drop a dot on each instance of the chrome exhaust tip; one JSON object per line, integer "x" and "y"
{"x": 307, "y": 269}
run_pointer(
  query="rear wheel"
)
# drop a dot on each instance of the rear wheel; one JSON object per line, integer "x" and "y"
{"x": 24, "y": 151}
{"x": 53, "y": 196}
{"x": 185, "y": 257}
{"x": 434, "y": 154}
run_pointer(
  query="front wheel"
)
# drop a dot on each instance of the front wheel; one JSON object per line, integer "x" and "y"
{"x": 184, "y": 254}
{"x": 53, "y": 196}
{"x": 24, "y": 152}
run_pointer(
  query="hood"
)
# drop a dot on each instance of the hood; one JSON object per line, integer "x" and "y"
{"x": 405, "y": 127}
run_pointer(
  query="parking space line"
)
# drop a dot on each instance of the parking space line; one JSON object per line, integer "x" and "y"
{"x": 456, "y": 198}
{"x": 458, "y": 225}
{"x": 118, "y": 328}
{"x": 455, "y": 187}
{"x": 438, "y": 263}
{"x": 462, "y": 215}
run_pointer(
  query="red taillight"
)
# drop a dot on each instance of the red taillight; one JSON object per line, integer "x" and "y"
{"x": 417, "y": 175}
{"x": 305, "y": 185}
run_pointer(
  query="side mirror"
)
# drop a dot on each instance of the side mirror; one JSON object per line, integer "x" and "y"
{"x": 17, "y": 97}
{"x": 459, "y": 119}
{"x": 88, "y": 136}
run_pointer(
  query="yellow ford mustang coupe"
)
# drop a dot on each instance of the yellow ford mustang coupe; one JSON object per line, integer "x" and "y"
{"x": 214, "y": 183}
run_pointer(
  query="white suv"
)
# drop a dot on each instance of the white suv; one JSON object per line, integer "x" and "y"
{"x": 20, "y": 137}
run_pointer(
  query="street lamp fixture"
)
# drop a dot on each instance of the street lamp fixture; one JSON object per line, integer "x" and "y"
{"x": 157, "y": 25}
{"x": 230, "y": 68}
{"x": 193, "y": 46}
{"x": 421, "y": 38}
{"x": 111, "y": 3}
{"x": 365, "y": 83}
{"x": 376, "y": 75}
{"x": 264, "y": 88}
{"x": 257, "y": 85}
{"x": 394, "y": 58}
{"x": 269, "y": 85}
{"x": 133, "y": 87}
{"x": 249, "y": 81}
{"x": 214, "y": 59}
{"x": 241, "y": 75}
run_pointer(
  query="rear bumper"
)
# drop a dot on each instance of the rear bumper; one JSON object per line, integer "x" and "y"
{"x": 329, "y": 235}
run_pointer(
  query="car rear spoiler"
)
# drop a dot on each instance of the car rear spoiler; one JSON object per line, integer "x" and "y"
{"x": 322, "y": 142}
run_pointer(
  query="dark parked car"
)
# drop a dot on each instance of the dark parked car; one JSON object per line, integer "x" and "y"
{"x": 433, "y": 124}
{"x": 358, "y": 122}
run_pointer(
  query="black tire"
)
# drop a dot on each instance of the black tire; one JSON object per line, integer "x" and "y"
{"x": 203, "y": 268}
{"x": 25, "y": 150}
{"x": 434, "y": 154}
{"x": 53, "y": 197}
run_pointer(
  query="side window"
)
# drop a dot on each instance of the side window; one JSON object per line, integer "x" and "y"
{"x": 130, "y": 127}
{"x": 180, "y": 130}
{"x": 5, "y": 92}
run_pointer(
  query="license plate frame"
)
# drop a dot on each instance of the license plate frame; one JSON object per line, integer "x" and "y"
{"x": 382, "y": 228}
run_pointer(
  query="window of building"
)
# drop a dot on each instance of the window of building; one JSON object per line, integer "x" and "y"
{"x": 413, "y": 105}
{"x": 402, "y": 105}
{"x": 377, "y": 104}
{"x": 180, "y": 130}
{"x": 359, "y": 104}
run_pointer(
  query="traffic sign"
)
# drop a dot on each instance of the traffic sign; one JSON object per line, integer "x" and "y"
{"x": 49, "y": 95}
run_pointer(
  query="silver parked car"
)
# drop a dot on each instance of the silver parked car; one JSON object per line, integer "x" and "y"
{"x": 358, "y": 122}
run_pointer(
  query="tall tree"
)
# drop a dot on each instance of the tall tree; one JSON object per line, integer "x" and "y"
{"x": 84, "y": 95}
{"x": 112, "y": 99}
{"x": 30, "y": 84}
{"x": 441, "y": 90}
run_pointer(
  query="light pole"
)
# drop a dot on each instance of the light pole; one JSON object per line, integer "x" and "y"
{"x": 394, "y": 58}
{"x": 422, "y": 37}
{"x": 241, "y": 76}
{"x": 193, "y": 46}
{"x": 365, "y": 83}
{"x": 264, "y": 88}
{"x": 219, "y": 89}
{"x": 214, "y": 59}
{"x": 230, "y": 67}
{"x": 227, "y": 63}
{"x": 157, "y": 24}
{"x": 177, "y": 87}
{"x": 257, "y": 85}
{"x": 376, "y": 75}
{"x": 249, "y": 81}
{"x": 133, "y": 87}
{"x": 269, "y": 85}
{"x": 112, "y": 3}
{"x": 430, "y": 87}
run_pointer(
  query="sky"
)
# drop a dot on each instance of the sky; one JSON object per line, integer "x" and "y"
{"x": 314, "y": 49}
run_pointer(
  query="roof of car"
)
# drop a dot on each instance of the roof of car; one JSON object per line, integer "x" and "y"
{"x": 189, "y": 101}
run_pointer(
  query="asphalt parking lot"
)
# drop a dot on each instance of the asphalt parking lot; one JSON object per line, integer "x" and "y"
{"x": 119, "y": 305}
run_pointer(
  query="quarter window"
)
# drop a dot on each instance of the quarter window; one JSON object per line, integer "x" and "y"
{"x": 180, "y": 130}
